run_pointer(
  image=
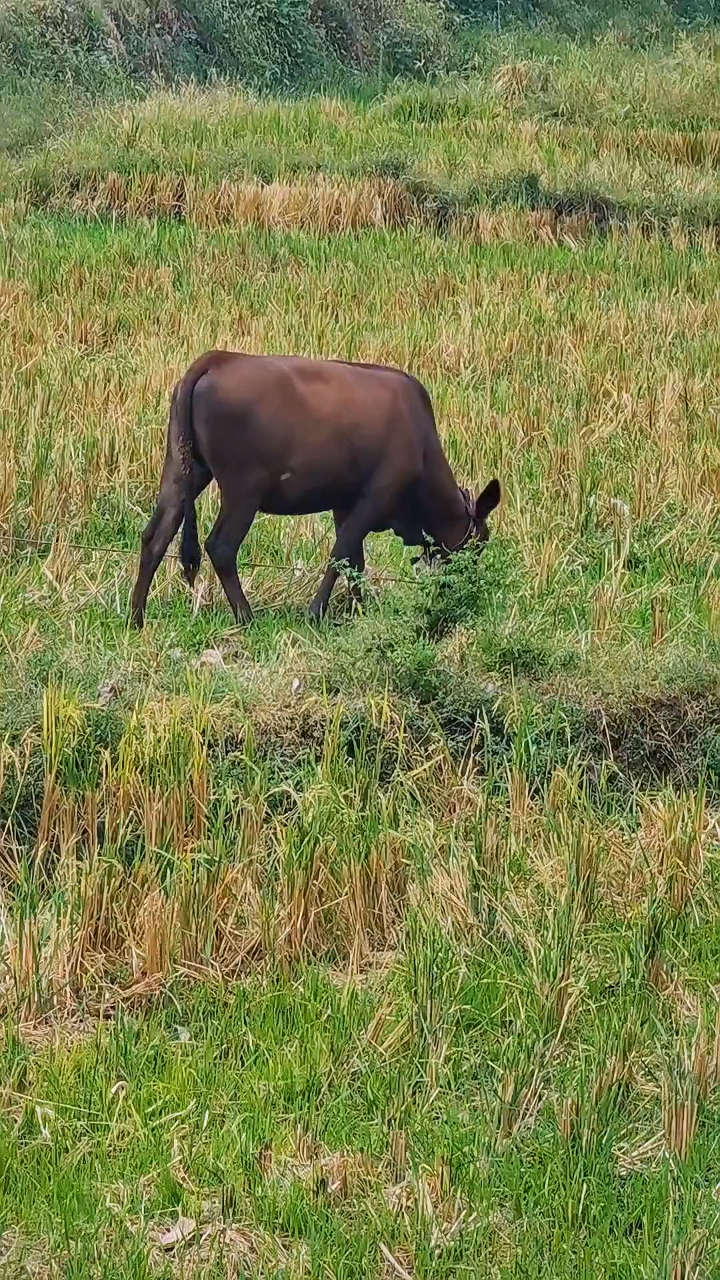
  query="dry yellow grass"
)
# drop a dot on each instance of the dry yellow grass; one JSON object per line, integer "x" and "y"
{"x": 537, "y": 366}
{"x": 262, "y": 891}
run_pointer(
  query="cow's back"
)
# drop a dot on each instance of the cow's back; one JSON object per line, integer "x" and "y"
{"x": 334, "y": 421}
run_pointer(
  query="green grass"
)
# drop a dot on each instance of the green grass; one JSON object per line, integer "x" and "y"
{"x": 386, "y": 947}
{"x": 167, "y": 1113}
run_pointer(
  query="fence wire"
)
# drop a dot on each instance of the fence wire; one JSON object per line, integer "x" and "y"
{"x": 17, "y": 540}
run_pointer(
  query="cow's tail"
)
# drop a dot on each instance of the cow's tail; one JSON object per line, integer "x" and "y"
{"x": 183, "y": 451}
{"x": 190, "y": 549}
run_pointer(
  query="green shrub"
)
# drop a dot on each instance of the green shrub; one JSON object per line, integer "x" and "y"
{"x": 385, "y": 36}
{"x": 271, "y": 44}
{"x": 462, "y": 590}
{"x": 282, "y": 44}
{"x": 268, "y": 42}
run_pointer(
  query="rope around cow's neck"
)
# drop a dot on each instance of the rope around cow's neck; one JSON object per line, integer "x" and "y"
{"x": 469, "y": 511}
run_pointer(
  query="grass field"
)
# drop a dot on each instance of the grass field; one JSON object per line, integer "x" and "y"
{"x": 388, "y": 948}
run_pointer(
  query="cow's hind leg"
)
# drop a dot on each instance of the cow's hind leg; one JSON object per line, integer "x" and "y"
{"x": 159, "y": 533}
{"x": 228, "y": 533}
{"x": 356, "y": 562}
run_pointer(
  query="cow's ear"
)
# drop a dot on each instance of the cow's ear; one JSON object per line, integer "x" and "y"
{"x": 487, "y": 501}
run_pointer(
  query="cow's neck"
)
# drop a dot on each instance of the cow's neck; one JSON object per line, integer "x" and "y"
{"x": 447, "y": 519}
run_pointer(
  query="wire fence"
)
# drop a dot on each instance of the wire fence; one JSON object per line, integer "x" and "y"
{"x": 47, "y": 543}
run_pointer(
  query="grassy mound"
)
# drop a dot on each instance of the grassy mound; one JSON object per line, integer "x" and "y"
{"x": 509, "y": 153}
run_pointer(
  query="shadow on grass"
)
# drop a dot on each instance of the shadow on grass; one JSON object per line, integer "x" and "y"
{"x": 443, "y": 208}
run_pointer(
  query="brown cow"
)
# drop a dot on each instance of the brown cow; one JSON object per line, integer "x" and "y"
{"x": 289, "y": 436}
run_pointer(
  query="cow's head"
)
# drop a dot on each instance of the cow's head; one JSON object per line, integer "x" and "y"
{"x": 476, "y": 531}
{"x": 478, "y": 509}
